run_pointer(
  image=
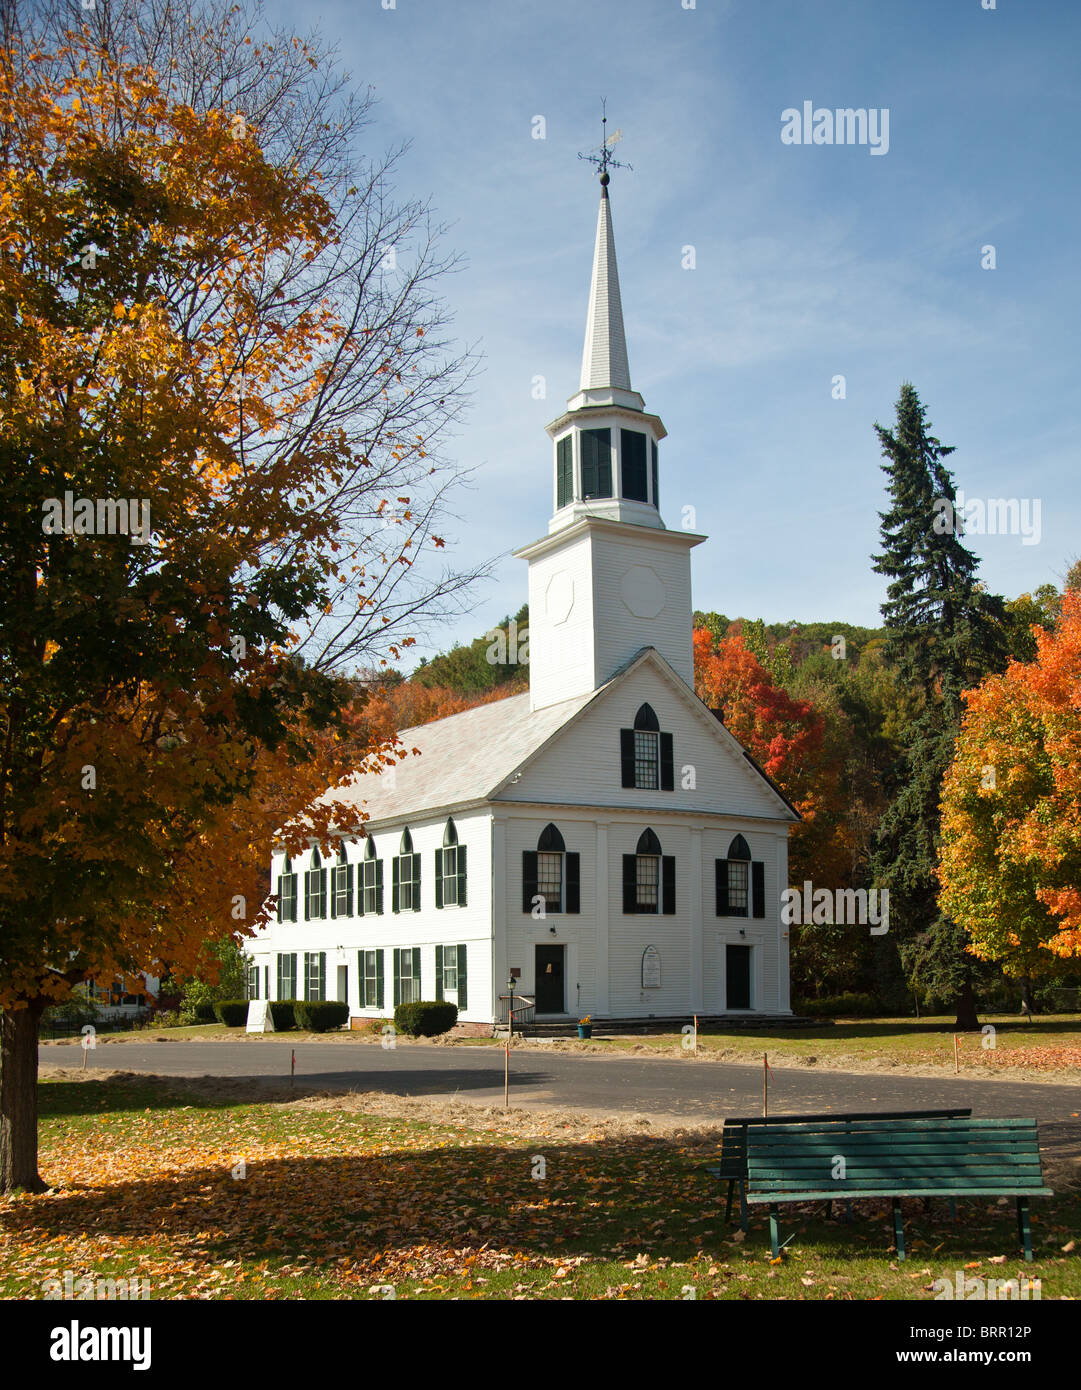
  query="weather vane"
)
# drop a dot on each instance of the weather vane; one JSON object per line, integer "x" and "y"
{"x": 603, "y": 159}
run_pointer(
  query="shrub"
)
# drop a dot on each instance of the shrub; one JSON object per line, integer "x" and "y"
{"x": 283, "y": 1012}
{"x": 426, "y": 1018}
{"x": 859, "y": 1005}
{"x": 164, "y": 1018}
{"x": 232, "y": 1012}
{"x": 320, "y": 1015}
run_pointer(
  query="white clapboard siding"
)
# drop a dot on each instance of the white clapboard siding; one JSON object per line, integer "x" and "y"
{"x": 583, "y": 765}
{"x": 342, "y": 938}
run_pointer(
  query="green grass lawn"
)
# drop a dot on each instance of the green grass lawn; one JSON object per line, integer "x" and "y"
{"x": 206, "y": 1198}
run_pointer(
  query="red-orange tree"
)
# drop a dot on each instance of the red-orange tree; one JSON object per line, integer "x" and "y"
{"x": 1010, "y": 856}
{"x": 182, "y": 323}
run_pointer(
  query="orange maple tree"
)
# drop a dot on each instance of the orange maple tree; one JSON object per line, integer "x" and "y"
{"x": 1010, "y": 855}
{"x": 177, "y": 335}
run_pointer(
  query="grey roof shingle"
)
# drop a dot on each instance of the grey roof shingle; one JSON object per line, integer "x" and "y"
{"x": 463, "y": 758}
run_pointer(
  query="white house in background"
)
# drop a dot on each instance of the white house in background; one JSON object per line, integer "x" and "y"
{"x": 603, "y": 839}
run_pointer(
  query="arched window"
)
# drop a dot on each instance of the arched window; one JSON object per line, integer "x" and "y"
{"x": 551, "y": 876}
{"x": 646, "y": 719}
{"x": 646, "y": 754}
{"x": 551, "y": 840}
{"x": 315, "y": 888}
{"x": 450, "y": 870}
{"x": 287, "y": 892}
{"x": 341, "y": 885}
{"x": 740, "y": 882}
{"x": 649, "y": 877}
{"x": 405, "y": 892}
{"x": 370, "y": 873}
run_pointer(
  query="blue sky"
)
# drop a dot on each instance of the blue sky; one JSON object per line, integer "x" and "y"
{"x": 811, "y": 261}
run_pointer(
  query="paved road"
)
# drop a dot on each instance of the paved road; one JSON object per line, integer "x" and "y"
{"x": 677, "y": 1087}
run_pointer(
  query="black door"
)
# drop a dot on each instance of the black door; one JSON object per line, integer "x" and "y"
{"x": 738, "y": 976}
{"x": 549, "y": 961}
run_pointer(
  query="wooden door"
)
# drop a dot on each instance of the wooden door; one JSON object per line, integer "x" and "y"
{"x": 551, "y": 998}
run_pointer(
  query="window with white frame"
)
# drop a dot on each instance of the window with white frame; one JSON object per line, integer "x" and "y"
{"x": 406, "y": 887}
{"x": 315, "y": 975}
{"x": 371, "y": 979}
{"x": 373, "y": 881}
{"x": 341, "y": 885}
{"x": 287, "y": 893}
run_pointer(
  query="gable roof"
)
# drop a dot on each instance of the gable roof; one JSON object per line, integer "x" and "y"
{"x": 469, "y": 758}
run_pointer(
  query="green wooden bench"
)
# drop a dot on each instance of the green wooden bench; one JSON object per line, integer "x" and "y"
{"x": 733, "y": 1164}
{"x": 959, "y": 1157}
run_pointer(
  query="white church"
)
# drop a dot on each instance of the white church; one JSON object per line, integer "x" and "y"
{"x": 603, "y": 841}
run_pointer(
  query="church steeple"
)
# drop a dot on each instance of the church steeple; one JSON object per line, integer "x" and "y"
{"x": 604, "y": 358}
{"x": 609, "y": 577}
{"x": 606, "y": 456}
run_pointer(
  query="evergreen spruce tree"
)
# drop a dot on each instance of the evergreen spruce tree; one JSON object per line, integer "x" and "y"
{"x": 944, "y": 632}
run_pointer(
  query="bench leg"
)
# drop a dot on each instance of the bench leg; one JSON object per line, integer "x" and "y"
{"x": 728, "y": 1203}
{"x": 898, "y": 1229}
{"x": 1024, "y": 1232}
{"x": 953, "y": 1209}
{"x": 774, "y": 1235}
{"x": 848, "y": 1210}
{"x": 829, "y": 1210}
{"x": 743, "y": 1206}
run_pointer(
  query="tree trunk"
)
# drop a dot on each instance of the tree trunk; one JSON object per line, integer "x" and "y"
{"x": 1028, "y": 1005}
{"x": 967, "y": 1020}
{"x": 19, "y": 1099}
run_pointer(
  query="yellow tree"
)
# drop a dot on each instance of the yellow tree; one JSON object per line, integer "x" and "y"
{"x": 1010, "y": 857}
{"x": 199, "y": 407}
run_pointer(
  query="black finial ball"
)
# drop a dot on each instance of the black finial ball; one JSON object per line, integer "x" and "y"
{"x": 605, "y": 179}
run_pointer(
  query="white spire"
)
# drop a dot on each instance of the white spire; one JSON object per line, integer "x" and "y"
{"x": 604, "y": 359}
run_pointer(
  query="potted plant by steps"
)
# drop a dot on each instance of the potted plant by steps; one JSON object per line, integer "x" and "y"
{"x": 585, "y": 1027}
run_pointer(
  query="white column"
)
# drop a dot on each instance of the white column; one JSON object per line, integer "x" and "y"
{"x": 694, "y": 889}
{"x": 499, "y": 886}
{"x": 602, "y": 907}
{"x": 784, "y": 997}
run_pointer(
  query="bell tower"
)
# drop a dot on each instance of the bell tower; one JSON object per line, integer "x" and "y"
{"x": 609, "y": 577}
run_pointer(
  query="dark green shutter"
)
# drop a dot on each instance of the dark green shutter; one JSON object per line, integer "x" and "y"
{"x": 349, "y": 890}
{"x": 758, "y": 888}
{"x": 416, "y": 970}
{"x": 565, "y": 471}
{"x": 461, "y": 875}
{"x": 632, "y": 448}
{"x": 722, "y": 887}
{"x": 438, "y": 962}
{"x": 416, "y": 884}
{"x": 656, "y": 490}
{"x": 379, "y": 978}
{"x": 596, "y": 463}
{"x": 462, "y": 980}
{"x": 439, "y": 881}
{"x": 379, "y": 885}
{"x": 322, "y": 893}
{"x": 529, "y": 879}
{"x": 396, "y": 863}
{"x": 630, "y": 883}
{"x": 361, "y": 868}
{"x": 668, "y": 778}
{"x": 668, "y": 866}
{"x": 573, "y": 893}
{"x": 397, "y": 975}
{"x": 626, "y": 757}
{"x": 280, "y": 917}
{"x": 334, "y": 891}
